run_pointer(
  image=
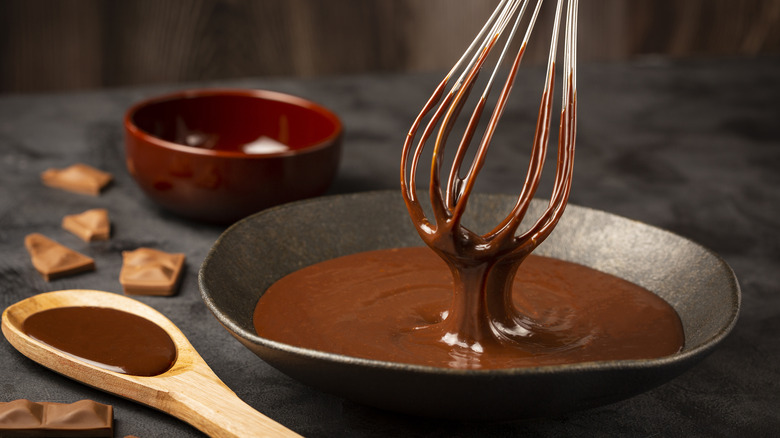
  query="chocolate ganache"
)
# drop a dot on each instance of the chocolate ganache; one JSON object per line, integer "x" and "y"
{"x": 393, "y": 305}
{"x": 108, "y": 338}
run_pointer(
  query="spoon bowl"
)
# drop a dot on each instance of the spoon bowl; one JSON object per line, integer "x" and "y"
{"x": 188, "y": 390}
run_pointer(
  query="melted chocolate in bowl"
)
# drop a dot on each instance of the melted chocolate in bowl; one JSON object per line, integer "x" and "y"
{"x": 248, "y": 259}
{"x": 390, "y": 305}
{"x": 108, "y": 338}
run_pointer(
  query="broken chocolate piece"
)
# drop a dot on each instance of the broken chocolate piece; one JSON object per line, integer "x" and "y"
{"x": 78, "y": 178}
{"x": 89, "y": 225}
{"x": 54, "y": 260}
{"x": 147, "y": 271}
{"x": 84, "y": 418}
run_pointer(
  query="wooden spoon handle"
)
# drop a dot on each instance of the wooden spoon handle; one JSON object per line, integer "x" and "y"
{"x": 190, "y": 390}
{"x": 209, "y": 405}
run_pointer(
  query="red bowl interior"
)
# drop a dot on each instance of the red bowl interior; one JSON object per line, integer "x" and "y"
{"x": 223, "y": 121}
{"x": 188, "y": 151}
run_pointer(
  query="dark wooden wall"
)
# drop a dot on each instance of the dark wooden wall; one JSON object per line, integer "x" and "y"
{"x": 48, "y": 45}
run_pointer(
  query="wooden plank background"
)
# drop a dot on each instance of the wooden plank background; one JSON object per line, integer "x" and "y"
{"x": 48, "y": 45}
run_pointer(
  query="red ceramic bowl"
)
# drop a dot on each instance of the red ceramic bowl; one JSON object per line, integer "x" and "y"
{"x": 219, "y": 155}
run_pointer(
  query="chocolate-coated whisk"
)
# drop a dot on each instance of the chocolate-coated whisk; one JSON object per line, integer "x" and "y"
{"x": 484, "y": 265}
{"x": 449, "y": 202}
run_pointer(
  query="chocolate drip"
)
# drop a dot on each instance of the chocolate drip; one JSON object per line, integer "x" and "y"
{"x": 483, "y": 266}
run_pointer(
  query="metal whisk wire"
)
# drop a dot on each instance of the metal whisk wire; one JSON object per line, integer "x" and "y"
{"x": 448, "y": 204}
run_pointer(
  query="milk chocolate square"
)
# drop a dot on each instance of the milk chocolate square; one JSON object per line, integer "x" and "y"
{"x": 147, "y": 271}
{"x": 89, "y": 225}
{"x": 54, "y": 260}
{"x": 84, "y": 418}
{"x": 21, "y": 414}
{"x": 79, "y": 178}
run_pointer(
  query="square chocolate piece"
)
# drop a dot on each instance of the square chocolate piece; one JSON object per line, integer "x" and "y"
{"x": 84, "y": 418}
{"x": 148, "y": 271}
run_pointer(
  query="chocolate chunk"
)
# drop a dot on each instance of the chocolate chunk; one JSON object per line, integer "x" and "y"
{"x": 78, "y": 178}
{"x": 89, "y": 225}
{"x": 54, "y": 260}
{"x": 147, "y": 271}
{"x": 84, "y": 418}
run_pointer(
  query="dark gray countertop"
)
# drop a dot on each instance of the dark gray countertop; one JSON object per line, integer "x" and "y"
{"x": 692, "y": 147}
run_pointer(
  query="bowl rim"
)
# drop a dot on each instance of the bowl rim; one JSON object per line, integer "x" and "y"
{"x": 133, "y": 130}
{"x": 686, "y": 355}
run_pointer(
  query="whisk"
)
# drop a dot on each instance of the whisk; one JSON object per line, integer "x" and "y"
{"x": 484, "y": 265}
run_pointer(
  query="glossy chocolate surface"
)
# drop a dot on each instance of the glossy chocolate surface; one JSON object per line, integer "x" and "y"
{"x": 392, "y": 305}
{"x": 108, "y": 338}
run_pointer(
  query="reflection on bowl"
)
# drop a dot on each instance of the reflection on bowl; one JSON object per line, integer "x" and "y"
{"x": 247, "y": 259}
{"x": 219, "y": 155}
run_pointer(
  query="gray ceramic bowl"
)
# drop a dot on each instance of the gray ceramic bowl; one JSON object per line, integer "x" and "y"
{"x": 255, "y": 252}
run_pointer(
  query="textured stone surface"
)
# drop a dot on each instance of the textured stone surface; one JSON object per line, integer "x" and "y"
{"x": 690, "y": 147}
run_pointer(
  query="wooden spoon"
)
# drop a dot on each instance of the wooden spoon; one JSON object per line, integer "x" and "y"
{"x": 189, "y": 390}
